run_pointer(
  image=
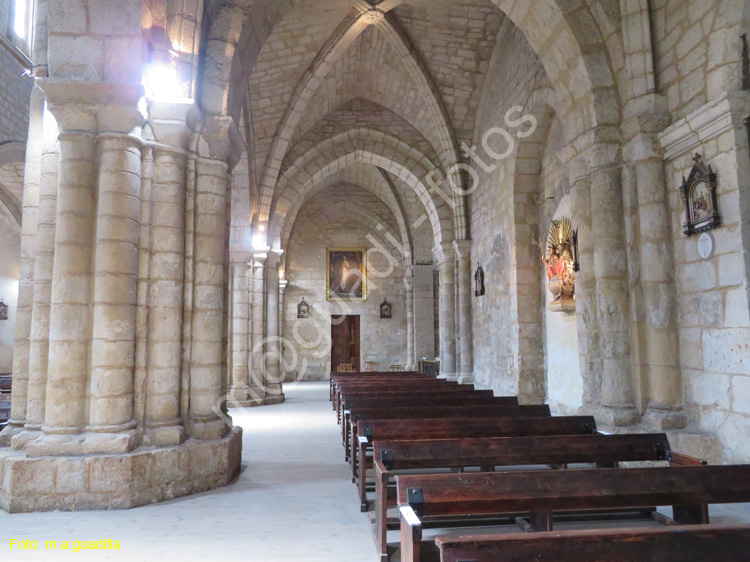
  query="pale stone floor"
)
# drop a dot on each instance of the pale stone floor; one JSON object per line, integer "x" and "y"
{"x": 293, "y": 502}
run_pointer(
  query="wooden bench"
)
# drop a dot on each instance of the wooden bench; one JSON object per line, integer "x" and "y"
{"x": 696, "y": 543}
{"x": 4, "y": 409}
{"x": 378, "y": 387}
{"x": 372, "y": 376}
{"x": 606, "y": 451}
{"x": 688, "y": 489}
{"x": 454, "y": 428}
{"x": 397, "y": 389}
{"x": 5, "y": 382}
{"x": 354, "y": 415}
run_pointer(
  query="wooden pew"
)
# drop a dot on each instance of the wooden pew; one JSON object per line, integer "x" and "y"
{"x": 695, "y": 543}
{"x": 688, "y": 489}
{"x": 606, "y": 451}
{"x": 402, "y": 386}
{"x": 5, "y": 382}
{"x": 396, "y": 390}
{"x": 415, "y": 412}
{"x": 353, "y": 377}
{"x": 454, "y": 428}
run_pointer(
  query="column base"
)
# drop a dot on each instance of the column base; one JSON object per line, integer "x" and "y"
{"x": 49, "y": 444}
{"x": 208, "y": 429}
{"x": 663, "y": 420}
{"x": 118, "y": 481}
{"x": 239, "y": 393}
{"x": 11, "y": 430}
{"x": 164, "y": 436}
{"x": 614, "y": 416}
{"x": 465, "y": 378}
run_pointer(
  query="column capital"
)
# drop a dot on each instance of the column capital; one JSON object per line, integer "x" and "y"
{"x": 283, "y": 284}
{"x": 222, "y": 139}
{"x": 258, "y": 260}
{"x": 443, "y": 252}
{"x": 274, "y": 258}
{"x": 169, "y": 122}
{"x": 95, "y": 107}
{"x": 462, "y": 249}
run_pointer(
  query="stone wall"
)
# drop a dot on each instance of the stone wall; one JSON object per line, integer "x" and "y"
{"x": 713, "y": 293}
{"x": 14, "y": 89}
{"x": 334, "y": 218}
{"x": 514, "y": 72}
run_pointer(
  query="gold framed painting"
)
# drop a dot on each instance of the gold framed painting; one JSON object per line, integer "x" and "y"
{"x": 346, "y": 278}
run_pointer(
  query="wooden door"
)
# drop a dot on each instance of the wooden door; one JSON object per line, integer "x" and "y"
{"x": 345, "y": 342}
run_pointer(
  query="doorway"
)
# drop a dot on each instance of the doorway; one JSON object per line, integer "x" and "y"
{"x": 345, "y": 342}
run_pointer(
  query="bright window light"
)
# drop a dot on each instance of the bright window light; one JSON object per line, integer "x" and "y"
{"x": 21, "y": 18}
{"x": 259, "y": 243}
{"x": 162, "y": 83}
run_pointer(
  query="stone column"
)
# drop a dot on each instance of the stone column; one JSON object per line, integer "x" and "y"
{"x": 240, "y": 324}
{"x": 257, "y": 379}
{"x": 447, "y": 313}
{"x": 43, "y": 269}
{"x": 32, "y": 178}
{"x": 409, "y": 285}
{"x": 71, "y": 298}
{"x": 424, "y": 312}
{"x": 207, "y": 381}
{"x": 463, "y": 258}
{"x": 612, "y": 297}
{"x": 272, "y": 356}
{"x": 658, "y": 333}
{"x": 283, "y": 283}
{"x": 115, "y": 282}
{"x": 586, "y": 310}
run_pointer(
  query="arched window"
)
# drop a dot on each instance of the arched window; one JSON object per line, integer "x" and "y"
{"x": 22, "y": 23}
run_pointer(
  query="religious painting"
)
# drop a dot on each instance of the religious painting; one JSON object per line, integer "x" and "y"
{"x": 303, "y": 309}
{"x": 3, "y": 310}
{"x": 699, "y": 197}
{"x": 346, "y": 275}
{"x": 386, "y": 311}
{"x": 561, "y": 264}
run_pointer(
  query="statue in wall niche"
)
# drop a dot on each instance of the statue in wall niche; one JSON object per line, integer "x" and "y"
{"x": 561, "y": 264}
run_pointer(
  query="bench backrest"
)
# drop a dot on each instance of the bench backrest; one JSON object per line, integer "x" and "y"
{"x": 427, "y": 398}
{"x": 562, "y": 449}
{"x": 686, "y": 544}
{"x": 554, "y": 490}
{"x": 442, "y": 428}
{"x": 447, "y": 412}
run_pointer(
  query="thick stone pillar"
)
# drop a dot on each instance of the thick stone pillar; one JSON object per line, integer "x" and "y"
{"x": 240, "y": 315}
{"x": 115, "y": 282}
{"x": 657, "y": 332}
{"x": 283, "y": 283}
{"x": 43, "y": 270}
{"x": 258, "y": 313}
{"x": 587, "y": 320}
{"x": 612, "y": 296}
{"x": 207, "y": 381}
{"x": 409, "y": 285}
{"x": 424, "y": 312}
{"x": 272, "y": 356}
{"x": 70, "y": 321}
{"x": 463, "y": 261}
{"x": 447, "y": 312}
{"x": 32, "y": 178}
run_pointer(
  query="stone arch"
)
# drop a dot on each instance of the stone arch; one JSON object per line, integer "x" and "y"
{"x": 364, "y": 146}
{"x": 379, "y": 185}
{"x": 526, "y": 278}
{"x": 569, "y": 43}
{"x": 337, "y": 44}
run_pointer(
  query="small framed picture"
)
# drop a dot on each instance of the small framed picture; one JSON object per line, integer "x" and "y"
{"x": 386, "y": 311}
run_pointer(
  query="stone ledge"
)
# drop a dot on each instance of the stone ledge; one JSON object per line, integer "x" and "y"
{"x": 121, "y": 481}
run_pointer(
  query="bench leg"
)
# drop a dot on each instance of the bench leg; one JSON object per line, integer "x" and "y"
{"x": 381, "y": 514}
{"x": 540, "y": 521}
{"x": 353, "y": 453}
{"x": 362, "y": 483}
{"x": 690, "y": 514}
